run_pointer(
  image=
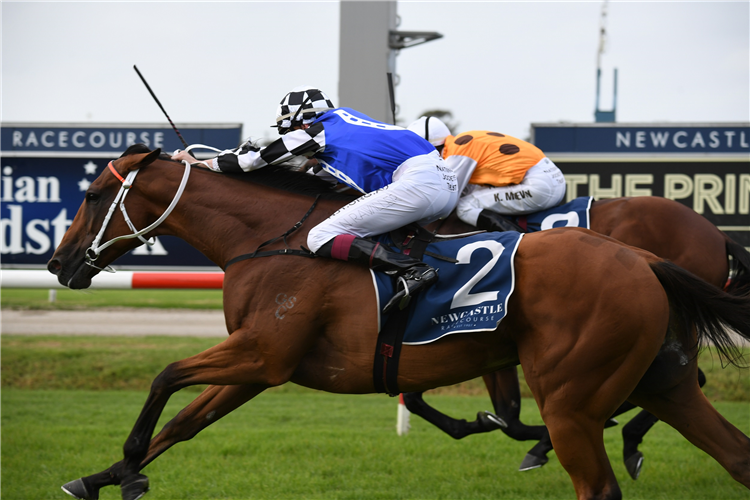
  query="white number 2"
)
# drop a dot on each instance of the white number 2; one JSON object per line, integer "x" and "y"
{"x": 463, "y": 298}
{"x": 571, "y": 219}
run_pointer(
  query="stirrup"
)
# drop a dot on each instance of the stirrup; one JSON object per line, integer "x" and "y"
{"x": 409, "y": 284}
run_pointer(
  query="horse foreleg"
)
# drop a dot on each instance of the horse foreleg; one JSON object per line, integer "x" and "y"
{"x": 211, "y": 405}
{"x": 241, "y": 359}
{"x": 456, "y": 429}
{"x": 686, "y": 408}
{"x": 537, "y": 456}
{"x": 503, "y": 388}
{"x": 632, "y": 436}
{"x": 505, "y": 393}
{"x": 133, "y": 484}
{"x": 214, "y": 403}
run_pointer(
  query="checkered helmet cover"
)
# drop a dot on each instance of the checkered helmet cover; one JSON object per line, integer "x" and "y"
{"x": 313, "y": 102}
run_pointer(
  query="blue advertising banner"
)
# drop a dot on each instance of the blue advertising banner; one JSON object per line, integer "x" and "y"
{"x": 46, "y": 171}
{"x": 109, "y": 138}
{"x": 640, "y": 139}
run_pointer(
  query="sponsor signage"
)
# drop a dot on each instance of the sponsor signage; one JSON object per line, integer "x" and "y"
{"x": 46, "y": 170}
{"x": 644, "y": 139}
{"x": 706, "y": 167}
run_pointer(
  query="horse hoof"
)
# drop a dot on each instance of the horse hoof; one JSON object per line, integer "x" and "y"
{"x": 77, "y": 489}
{"x": 490, "y": 421}
{"x": 634, "y": 463}
{"x": 134, "y": 487}
{"x": 610, "y": 423}
{"x": 532, "y": 462}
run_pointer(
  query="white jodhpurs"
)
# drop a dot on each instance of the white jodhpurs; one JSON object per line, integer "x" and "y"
{"x": 423, "y": 190}
{"x": 542, "y": 187}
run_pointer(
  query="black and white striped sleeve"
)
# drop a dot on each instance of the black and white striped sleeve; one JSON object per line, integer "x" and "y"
{"x": 303, "y": 142}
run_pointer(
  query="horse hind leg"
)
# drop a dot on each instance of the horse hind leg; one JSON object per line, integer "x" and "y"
{"x": 575, "y": 407}
{"x": 504, "y": 388}
{"x": 681, "y": 403}
{"x": 634, "y": 431}
{"x": 686, "y": 408}
{"x": 537, "y": 456}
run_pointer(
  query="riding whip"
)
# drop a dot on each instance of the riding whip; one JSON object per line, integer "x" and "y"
{"x": 160, "y": 106}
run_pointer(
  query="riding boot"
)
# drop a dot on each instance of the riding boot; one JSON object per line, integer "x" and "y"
{"x": 413, "y": 275}
{"x": 493, "y": 221}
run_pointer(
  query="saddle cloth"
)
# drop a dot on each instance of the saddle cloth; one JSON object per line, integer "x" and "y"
{"x": 469, "y": 296}
{"x": 571, "y": 214}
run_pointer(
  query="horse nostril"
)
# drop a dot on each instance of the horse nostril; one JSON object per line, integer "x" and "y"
{"x": 54, "y": 266}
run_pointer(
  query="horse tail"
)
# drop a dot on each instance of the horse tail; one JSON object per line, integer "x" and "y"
{"x": 714, "y": 312}
{"x": 739, "y": 274}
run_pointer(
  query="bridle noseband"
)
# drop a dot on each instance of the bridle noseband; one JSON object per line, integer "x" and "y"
{"x": 93, "y": 252}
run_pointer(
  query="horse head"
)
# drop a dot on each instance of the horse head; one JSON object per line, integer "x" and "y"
{"x": 79, "y": 258}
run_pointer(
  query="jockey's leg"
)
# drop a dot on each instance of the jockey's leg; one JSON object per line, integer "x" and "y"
{"x": 542, "y": 187}
{"x": 413, "y": 275}
{"x": 422, "y": 191}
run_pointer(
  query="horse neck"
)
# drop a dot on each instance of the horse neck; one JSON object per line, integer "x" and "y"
{"x": 224, "y": 217}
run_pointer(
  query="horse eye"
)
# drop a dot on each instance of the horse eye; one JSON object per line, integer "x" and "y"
{"x": 92, "y": 197}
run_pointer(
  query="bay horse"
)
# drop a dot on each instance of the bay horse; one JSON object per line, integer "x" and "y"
{"x": 591, "y": 322}
{"x": 661, "y": 226}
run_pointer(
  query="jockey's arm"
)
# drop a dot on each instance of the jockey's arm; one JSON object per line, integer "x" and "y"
{"x": 249, "y": 157}
{"x": 464, "y": 167}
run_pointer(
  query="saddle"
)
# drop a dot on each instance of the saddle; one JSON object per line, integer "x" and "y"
{"x": 472, "y": 294}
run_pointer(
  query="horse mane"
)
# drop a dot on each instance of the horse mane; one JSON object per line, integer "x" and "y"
{"x": 280, "y": 176}
{"x": 142, "y": 148}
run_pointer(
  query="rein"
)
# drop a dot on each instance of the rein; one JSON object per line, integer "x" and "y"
{"x": 93, "y": 252}
{"x": 304, "y": 252}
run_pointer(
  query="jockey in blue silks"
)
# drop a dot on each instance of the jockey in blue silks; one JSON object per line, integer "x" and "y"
{"x": 403, "y": 178}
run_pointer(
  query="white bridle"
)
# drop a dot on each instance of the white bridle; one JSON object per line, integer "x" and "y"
{"x": 93, "y": 252}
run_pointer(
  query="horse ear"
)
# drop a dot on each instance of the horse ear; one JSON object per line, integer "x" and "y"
{"x": 151, "y": 157}
{"x": 145, "y": 160}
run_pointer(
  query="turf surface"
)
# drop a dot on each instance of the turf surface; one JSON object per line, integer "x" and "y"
{"x": 304, "y": 444}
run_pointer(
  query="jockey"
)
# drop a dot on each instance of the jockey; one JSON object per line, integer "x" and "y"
{"x": 498, "y": 174}
{"x": 402, "y": 176}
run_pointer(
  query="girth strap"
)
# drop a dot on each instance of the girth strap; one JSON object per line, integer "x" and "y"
{"x": 390, "y": 339}
{"x": 303, "y": 252}
{"x": 388, "y": 353}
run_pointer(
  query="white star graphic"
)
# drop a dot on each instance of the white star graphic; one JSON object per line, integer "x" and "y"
{"x": 83, "y": 185}
{"x": 90, "y": 168}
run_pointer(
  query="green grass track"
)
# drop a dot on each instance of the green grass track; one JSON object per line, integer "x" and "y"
{"x": 305, "y": 444}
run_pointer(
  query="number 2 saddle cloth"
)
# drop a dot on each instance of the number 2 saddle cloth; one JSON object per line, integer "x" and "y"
{"x": 571, "y": 214}
{"x": 475, "y": 282}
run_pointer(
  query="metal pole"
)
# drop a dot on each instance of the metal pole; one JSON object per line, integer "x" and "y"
{"x": 391, "y": 93}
